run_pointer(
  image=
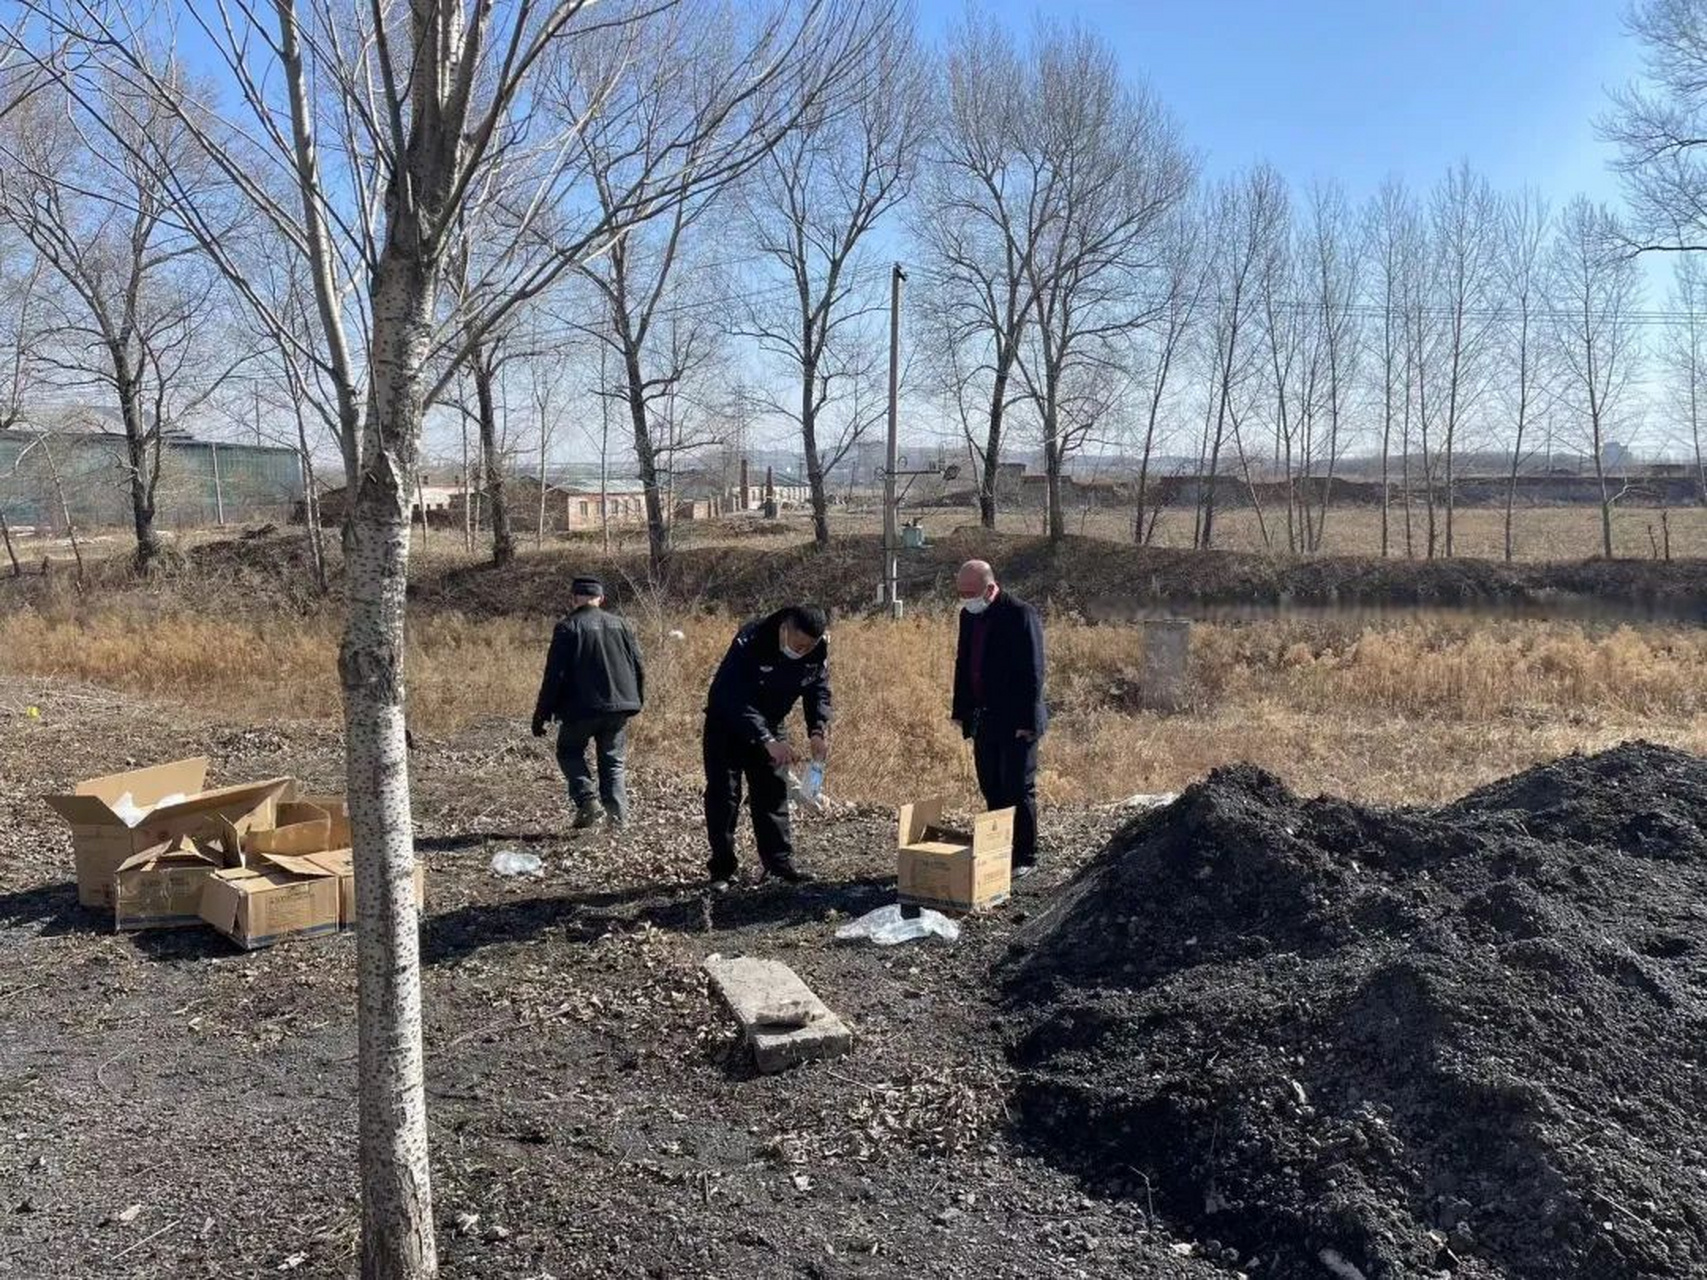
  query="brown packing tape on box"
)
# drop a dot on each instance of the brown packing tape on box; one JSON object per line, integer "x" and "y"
{"x": 101, "y": 839}
{"x": 257, "y": 907}
{"x": 950, "y": 870}
{"x": 161, "y": 888}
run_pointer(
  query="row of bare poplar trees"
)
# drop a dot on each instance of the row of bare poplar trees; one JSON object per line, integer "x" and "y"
{"x": 1075, "y": 285}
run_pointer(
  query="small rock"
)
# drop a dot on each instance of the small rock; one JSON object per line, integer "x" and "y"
{"x": 946, "y": 1216}
{"x": 494, "y": 1234}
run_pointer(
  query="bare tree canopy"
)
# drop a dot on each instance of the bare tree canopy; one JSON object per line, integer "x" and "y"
{"x": 1660, "y": 128}
{"x": 811, "y": 208}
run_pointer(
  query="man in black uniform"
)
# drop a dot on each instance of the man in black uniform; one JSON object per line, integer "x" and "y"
{"x": 594, "y": 682}
{"x": 773, "y": 663}
{"x": 998, "y": 699}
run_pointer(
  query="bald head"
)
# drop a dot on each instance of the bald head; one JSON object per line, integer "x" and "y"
{"x": 976, "y": 581}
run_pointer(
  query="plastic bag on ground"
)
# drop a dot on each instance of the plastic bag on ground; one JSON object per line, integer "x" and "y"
{"x": 887, "y": 927}
{"x": 509, "y": 862}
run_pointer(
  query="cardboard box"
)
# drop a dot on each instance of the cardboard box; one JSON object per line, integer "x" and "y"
{"x": 312, "y": 838}
{"x": 256, "y": 907}
{"x": 161, "y": 888}
{"x": 102, "y": 837}
{"x": 954, "y": 870}
{"x": 343, "y": 862}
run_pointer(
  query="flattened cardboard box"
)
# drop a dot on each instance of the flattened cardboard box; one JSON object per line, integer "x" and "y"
{"x": 257, "y": 907}
{"x": 954, "y": 870}
{"x": 101, "y": 839}
{"x": 161, "y": 888}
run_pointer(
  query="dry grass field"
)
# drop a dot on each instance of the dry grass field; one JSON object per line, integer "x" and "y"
{"x": 1538, "y": 533}
{"x": 1403, "y": 710}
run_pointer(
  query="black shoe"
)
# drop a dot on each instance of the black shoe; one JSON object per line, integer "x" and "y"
{"x": 588, "y": 817}
{"x": 788, "y": 873}
{"x": 721, "y": 884}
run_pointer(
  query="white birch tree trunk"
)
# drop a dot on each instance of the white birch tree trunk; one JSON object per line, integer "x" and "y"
{"x": 397, "y": 1236}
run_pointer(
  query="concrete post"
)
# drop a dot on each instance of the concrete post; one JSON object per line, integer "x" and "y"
{"x": 1164, "y": 673}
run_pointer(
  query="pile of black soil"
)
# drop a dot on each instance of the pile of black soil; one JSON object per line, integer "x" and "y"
{"x": 1390, "y": 1043}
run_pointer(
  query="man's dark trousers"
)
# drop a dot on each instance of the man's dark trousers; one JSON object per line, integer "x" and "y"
{"x": 731, "y": 760}
{"x": 1007, "y": 775}
{"x": 609, "y": 736}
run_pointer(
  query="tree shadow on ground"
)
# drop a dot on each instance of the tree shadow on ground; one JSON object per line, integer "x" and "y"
{"x": 677, "y": 908}
{"x": 53, "y": 910}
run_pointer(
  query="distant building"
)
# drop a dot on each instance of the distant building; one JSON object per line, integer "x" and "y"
{"x": 203, "y": 483}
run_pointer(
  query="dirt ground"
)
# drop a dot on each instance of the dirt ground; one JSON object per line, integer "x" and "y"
{"x": 173, "y": 1107}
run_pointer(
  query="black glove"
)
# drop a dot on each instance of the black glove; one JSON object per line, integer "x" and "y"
{"x": 538, "y": 725}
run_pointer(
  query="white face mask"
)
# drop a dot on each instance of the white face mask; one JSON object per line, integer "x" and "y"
{"x": 788, "y": 653}
{"x": 975, "y": 606}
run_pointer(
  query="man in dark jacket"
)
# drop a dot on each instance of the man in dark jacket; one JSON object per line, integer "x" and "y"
{"x": 594, "y": 682}
{"x": 772, "y": 664}
{"x": 998, "y": 699}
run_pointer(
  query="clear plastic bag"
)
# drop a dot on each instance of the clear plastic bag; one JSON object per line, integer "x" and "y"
{"x": 509, "y": 862}
{"x": 807, "y": 789}
{"x": 887, "y": 927}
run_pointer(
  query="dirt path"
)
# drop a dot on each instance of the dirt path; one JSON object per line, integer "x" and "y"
{"x": 585, "y": 1102}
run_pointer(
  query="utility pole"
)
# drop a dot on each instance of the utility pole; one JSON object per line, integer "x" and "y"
{"x": 891, "y": 588}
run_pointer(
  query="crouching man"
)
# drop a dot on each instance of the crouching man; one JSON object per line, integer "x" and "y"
{"x": 772, "y": 664}
{"x": 595, "y": 681}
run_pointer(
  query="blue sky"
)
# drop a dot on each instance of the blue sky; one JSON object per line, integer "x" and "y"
{"x": 1333, "y": 88}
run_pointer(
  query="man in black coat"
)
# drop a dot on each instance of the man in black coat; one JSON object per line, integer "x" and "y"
{"x": 998, "y": 699}
{"x": 595, "y": 681}
{"x": 772, "y": 664}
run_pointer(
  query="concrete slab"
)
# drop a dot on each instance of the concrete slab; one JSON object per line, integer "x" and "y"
{"x": 780, "y": 1017}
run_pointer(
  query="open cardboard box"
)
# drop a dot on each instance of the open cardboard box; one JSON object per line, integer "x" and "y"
{"x": 102, "y": 839}
{"x": 954, "y": 870}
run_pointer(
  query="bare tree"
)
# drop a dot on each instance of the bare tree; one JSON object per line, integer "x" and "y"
{"x": 1392, "y": 249}
{"x": 1248, "y": 220}
{"x": 1596, "y": 286}
{"x": 137, "y": 305}
{"x": 978, "y": 217}
{"x": 20, "y": 283}
{"x": 1112, "y": 170}
{"x": 1166, "y": 344}
{"x": 1335, "y": 265}
{"x": 811, "y": 208}
{"x": 1290, "y": 333}
{"x": 1522, "y": 348}
{"x": 1685, "y": 358}
{"x": 1465, "y": 224}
